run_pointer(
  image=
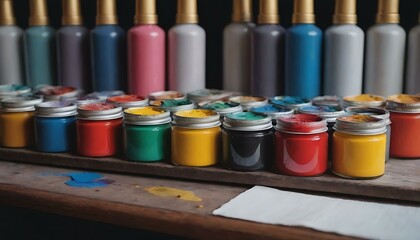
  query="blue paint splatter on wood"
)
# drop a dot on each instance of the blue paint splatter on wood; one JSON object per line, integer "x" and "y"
{"x": 86, "y": 180}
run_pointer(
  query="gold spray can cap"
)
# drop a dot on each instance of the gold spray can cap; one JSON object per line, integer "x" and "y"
{"x": 388, "y": 11}
{"x": 106, "y": 12}
{"x": 242, "y": 11}
{"x": 269, "y": 13}
{"x": 39, "y": 13}
{"x": 345, "y": 12}
{"x": 71, "y": 13}
{"x": 187, "y": 11}
{"x": 303, "y": 11}
{"x": 146, "y": 12}
{"x": 6, "y": 13}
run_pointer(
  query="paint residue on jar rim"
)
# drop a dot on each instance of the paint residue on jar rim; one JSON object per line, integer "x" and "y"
{"x": 358, "y": 118}
{"x": 269, "y": 108}
{"x": 56, "y": 90}
{"x": 364, "y": 98}
{"x": 220, "y": 105}
{"x": 145, "y": 111}
{"x": 97, "y": 106}
{"x": 301, "y": 118}
{"x": 289, "y": 100}
{"x": 166, "y": 95}
{"x": 247, "y": 99}
{"x": 170, "y": 103}
{"x": 126, "y": 98}
{"x": 173, "y": 193}
{"x": 404, "y": 98}
{"x": 196, "y": 113}
{"x": 246, "y": 116}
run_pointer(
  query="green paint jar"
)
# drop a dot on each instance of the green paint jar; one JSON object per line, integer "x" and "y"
{"x": 147, "y": 134}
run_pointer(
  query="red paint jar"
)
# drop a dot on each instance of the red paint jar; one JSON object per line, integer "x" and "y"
{"x": 405, "y": 123}
{"x": 99, "y": 127}
{"x": 301, "y": 144}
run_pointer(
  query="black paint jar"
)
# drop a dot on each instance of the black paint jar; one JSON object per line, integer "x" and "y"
{"x": 247, "y": 141}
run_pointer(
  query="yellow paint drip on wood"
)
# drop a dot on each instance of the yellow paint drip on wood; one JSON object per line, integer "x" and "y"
{"x": 173, "y": 193}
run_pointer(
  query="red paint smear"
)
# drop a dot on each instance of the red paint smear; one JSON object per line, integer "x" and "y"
{"x": 97, "y": 106}
{"x": 126, "y": 98}
{"x": 302, "y": 123}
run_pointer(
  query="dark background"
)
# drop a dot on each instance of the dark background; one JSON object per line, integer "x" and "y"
{"x": 214, "y": 16}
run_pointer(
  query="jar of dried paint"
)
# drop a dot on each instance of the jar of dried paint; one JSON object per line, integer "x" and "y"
{"x": 247, "y": 141}
{"x": 196, "y": 138}
{"x": 301, "y": 145}
{"x": 379, "y": 113}
{"x": 291, "y": 102}
{"x": 55, "y": 126}
{"x": 99, "y": 127}
{"x": 147, "y": 134}
{"x": 128, "y": 101}
{"x": 405, "y": 121}
{"x": 272, "y": 111}
{"x": 359, "y": 147}
{"x": 17, "y": 121}
{"x": 363, "y": 100}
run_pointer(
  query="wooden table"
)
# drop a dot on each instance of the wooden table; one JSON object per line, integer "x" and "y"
{"x": 126, "y": 203}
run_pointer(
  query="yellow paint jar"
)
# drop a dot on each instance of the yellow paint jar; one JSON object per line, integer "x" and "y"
{"x": 17, "y": 121}
{"x": 363, "y": 100}
{"x": 359, "y": 147}
{"x": 196, "y": 138}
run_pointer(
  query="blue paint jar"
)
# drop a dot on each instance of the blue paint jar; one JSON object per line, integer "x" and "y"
{"x": 55, "y": 126}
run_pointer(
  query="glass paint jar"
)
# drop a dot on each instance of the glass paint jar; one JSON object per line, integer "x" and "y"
{"x": 167, "y": 95}
{"x": 359, "y": 147}
{"x": 55, "y": 126}
{"x": 247, "y": 141}
{"x": 327, "y": 101}
{"x": 17, "y": 121}
{"x": 173, "y": 105}
{"x": 363, "y": 100}
{"x": 291, "y": 102}
{"x": 221, "y": 107}
{"x": 301, "y": 145}
{"x": 405, "y": 122}
{"x": 128, "y": 101}
{"x": 272, "y": 111}
{"x": 196, "y": 138}
{"x": 248, "y": 102}
{"x": 147, "y": 134}
{"x": 208, "y": 95}
{"x": 99, "y": 127}
{"x": 379, "y": 113}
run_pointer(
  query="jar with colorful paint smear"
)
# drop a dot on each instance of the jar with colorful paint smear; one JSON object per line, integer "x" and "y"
{"x": 272, "y": 111}
{"x": 55, "y": 127}
{"x": 147, "y": 134}
{"x": 104, "y": 95}
{"x": 221, "y": 107}
{"x": 208, "y": 95}
{"x": 12, "y": 90}
{"x": 247, "y": 141}
{"x": 196, "y": 138}
{"x": 248, "y": 102}
{"x": 301, "y": 145}
{"x": 173, "y": 105}
{"x": 99, "y": 127}
{"x": 17, "y": 121}
{"x": 363, "y": 100}
{"x": 291, "y": 102}
{"x": 54, "y": 93}
{"x": 167, "y": 95}
{"x": 379, "y": 113}
{"x": 405, "y": 122}
{"x": 128, "y": 101}
{"x": 327, "y": 101}
{"x": 359, "y": 147}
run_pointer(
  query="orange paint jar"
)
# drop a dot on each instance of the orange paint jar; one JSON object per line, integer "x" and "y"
{"x": 405, "y": 123}
{"x": 99, "y": 127}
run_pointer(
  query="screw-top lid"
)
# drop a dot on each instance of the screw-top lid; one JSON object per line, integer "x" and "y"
{"x": 376, "y": 112}
{"x": 248, "y": 102}
{"x": 166, "y": 95}
{"x": 7, "y": 17}
{"x": 404, "y": 103}
{"x": 39, "y": 13}
{"x": 10, "y": 90}
{"x": 71, "y": 13}
{"x": 222, "y": 107}
{"x": 290, "y": 101}
{"x": 303, "y": 11}
{"x": 146, "y": 12}
{"x": 242, "y": 11}
{"x": 360, "y": 125}
{"x": 128, "y": 101}
{"x": 345, "y": 12}
{"x": 208, "y": 95}
{"x": 173, "y": 105}
{"x": 106, "y": 12}
{"x": 146, "y": 116}
{"x": 329, "y": 113}
{"x": 247, "y": 121}
{"x": 187, "y": 12}
{"x": 301, "y": 124}
{"x": 55, "y": 109}
{"x": 272, "y": 111}
{"x": 19, "y": 104}
{"x": 196, "y": 119}
{"x": 388, "y": 11}
{"x": 332, "y": 101}
{"x": 269, "y": 13}
{"x": 99, "y": 111}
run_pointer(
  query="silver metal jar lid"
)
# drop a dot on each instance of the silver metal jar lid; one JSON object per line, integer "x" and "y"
{"x": 196, "y": 119}
{"x": 248, "y": 102}
{"x": 292, "y": 102}
{"x": 208, "y": 95}
{"x": 247, "y": 121}
{"x": 404, "y": 103}
{"x": 360, "y": 125}
{"x": 363, "y": 100}
{"x": 103, "y": 95}
{"x": 330, "y": 113}
{"x": 221, "y": 107}
{"x": 10, "y": 90}
{"x": 128, "y": 101}
{"x": 166, "y": 95}
{"x": 54, "y": 93}
{"x": 146, "y": 116}
{"x": 272, "y": 111}
{"x": 333, "y": 101}
{"x": 377, "y": 112}
{"x": 19, "y": 104}
{"x": 99, "y": 111}
{"x": 55, "y": 109}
